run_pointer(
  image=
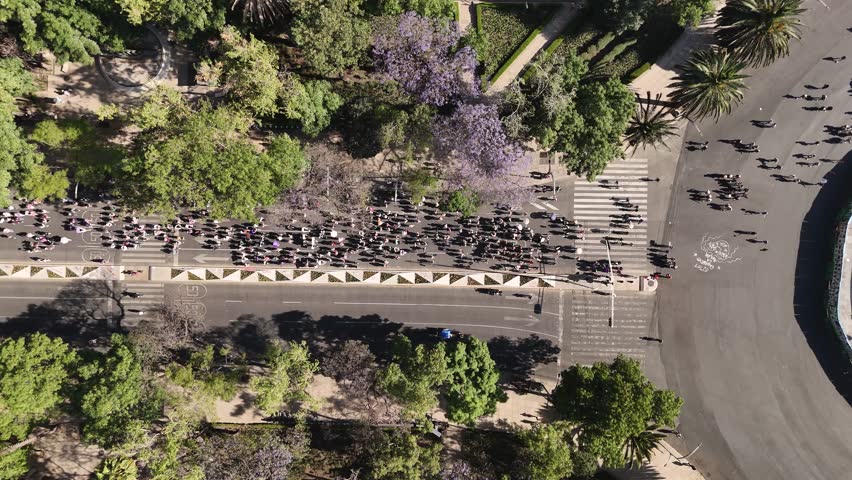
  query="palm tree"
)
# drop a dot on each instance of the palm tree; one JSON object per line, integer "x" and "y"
{"x": 649, "y": 125}
{"x": 639, "y": 448}
{"x": 759, "y": 31}
{"x": 262, "y": 11}
{"x": 710, "y": 83}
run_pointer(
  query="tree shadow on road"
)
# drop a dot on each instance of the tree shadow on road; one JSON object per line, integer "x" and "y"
{"x": 813, "y": 266}
{"x": 517, "y": 359}
{"x": 83, "y": 311}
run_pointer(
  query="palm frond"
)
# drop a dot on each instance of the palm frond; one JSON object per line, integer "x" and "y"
{"x": 639, "y": 448}
{"x": 759, "y": 31}
{"x": 710, "y": 84}
{"x": 650, "y": 124}
{"x": 262, "y": 11}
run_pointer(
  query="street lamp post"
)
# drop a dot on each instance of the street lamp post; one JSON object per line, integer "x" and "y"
{"x": 611, "y": 287}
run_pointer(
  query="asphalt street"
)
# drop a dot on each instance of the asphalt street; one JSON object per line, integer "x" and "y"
{"x": 571, "y": 327}
{"x": 746, "y": 344}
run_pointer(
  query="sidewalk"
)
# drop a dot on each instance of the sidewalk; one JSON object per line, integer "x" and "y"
{"x": 552, "y": 30}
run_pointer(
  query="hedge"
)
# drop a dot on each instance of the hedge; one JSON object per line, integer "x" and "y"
{"x": 616, "y": 51}
{"x": 598, "y": 46}
{"x": 514, "y": 56}
{"x": 636, "y": 73}
{"x": 544, "y": 55}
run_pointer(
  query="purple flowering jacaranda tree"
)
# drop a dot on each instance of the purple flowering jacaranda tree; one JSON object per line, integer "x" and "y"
{"x": 421, "y": 54}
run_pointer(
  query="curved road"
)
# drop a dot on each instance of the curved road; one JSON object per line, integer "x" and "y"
{"x": 767, "y": 395}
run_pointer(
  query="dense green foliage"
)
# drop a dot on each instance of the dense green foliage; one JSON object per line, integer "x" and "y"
{"x": 427, "y": 8}
{"x": 203, "y": 157}
{"x": 472, "y": 390}
{"x": 117, "y": 468}
{"x": 33, "y": 370}
{"x": 621, "y": 15}
{"x": 545, "y": 453}
{"x": 688, "y": 13}
{"x": 463, "y": 201}
{"x": 612, "y": 403}
{"x": 398, "y": 455}
{"x": 582, "y": 119}
{"x": 313, "y": 103}
{"x": 333, "y": 34}
{"x": 248, "y": 70}
{"x": 290, "y": 372}
{"x": 116, "y": 401}
{"x": 17, "y": 156}
{"x": 414, "y": 376}
{"x": 71, "y": 29}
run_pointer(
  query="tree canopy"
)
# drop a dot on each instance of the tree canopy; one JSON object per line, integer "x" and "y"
{"x": 117, "y": 402}
{"x": 71, "y": 29}
{"x": 582, "y": 118}
{"x": 203, "y": 158}
{"x": 414, "y": 376}
{"x": 427, "y": 8}
{"x": 33, "y": 371}
{"x": 248, "y": 70}
{"x": 612, "y": 402}
{"x": 423, "y": 55}
{"x": 313, "y": 103}
{"x": 17, "y": 156}
{"x": 398, "y": 455}
{"x": 290, "y": 372}
{"x": 472, "y": 389}
{"x": 333, "y": 34}
{"x": 545, "y": 453}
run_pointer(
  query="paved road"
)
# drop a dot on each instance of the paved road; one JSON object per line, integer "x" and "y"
{"x": 573, "y": 326}
{"x": 745, "y": 342}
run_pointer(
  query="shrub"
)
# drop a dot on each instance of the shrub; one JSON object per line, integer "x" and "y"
{"x": 598, "y": 46}
{"x": 463, "y": 201}
{"x": 616, "y": 51}
{"x": 639, "y": 71}
{"x": 504, "y": 28}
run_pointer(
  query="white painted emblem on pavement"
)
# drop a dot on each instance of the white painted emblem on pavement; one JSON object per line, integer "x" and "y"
{"x": 715, "y": 251}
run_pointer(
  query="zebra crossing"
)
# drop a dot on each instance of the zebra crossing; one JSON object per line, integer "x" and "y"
{"x": 542, "y": 205}
{"x": 149, "y": 252}
{"x": 595, "y": 208}
{"x": 151, "y": 296}
{"x": 589, "y": 338}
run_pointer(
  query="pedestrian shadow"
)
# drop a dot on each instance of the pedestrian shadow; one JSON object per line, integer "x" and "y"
{"x": 814, "y": 263}
{"x": 82, "y": 312}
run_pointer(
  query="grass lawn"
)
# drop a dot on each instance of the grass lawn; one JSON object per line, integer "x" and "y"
{"x": 504, "y": 28}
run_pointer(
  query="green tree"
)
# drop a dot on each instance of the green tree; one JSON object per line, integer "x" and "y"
{"x": 414, "y": 376}
{"x": 117, "y": 468}
{"x": 709, "y": 84}
{"x": 33, "y": 371}
{"x": 584, "y": 120}
{"x": 419, "y": 182}
{"x": 544, "y": 452}
{"x": 585, "y": 465}
{"x": 464, "y": 201}
{"x": 688, "y": 13}
{"x": 16, "y": 154}
{"x": 398, "y": 455}
{"x": 186, "y": 18}
{"x": 611, "y": 402}
{"x": 287, "y": 379}
{"x": 248, "y": 70}
{"x": 312, "y": 104}
{"x": 639, "y": 447}
{"x": 426, "y": 8}
{"x": 759, "y": 31}
{"x": 650, "y": 125}
{"x": 93, "y": 160}
{"x": 40, "y": 183}
{"x": 621, "y": 15}
{"x": 70, "y": 29}
{"x": 471, "y": 388}
{"x": 204, "y": 157}
{"x": 13, "y": 466}
{"x": 332, "y": 34}
{"x": 117, "y": 402}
